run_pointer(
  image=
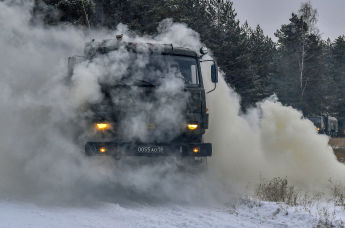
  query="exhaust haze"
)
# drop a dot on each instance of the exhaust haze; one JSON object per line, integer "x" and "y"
{"x": 40, "y": 158}
{"x": 272, "y": 140}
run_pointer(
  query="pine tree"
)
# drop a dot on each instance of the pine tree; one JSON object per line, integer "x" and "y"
{"x": 316, "y": 82}
{"x": 338, "y": 73}
{"x": 262, "y": 51}
{"x": 301, "y": 67}
{"x": 290, "y": 47}
{"x": 332, "y": 93}
{"x": 77, "y": 12}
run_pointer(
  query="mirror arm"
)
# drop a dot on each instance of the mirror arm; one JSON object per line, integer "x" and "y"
{"x": 215, "y": 86}
{"x": 207, "y": 60}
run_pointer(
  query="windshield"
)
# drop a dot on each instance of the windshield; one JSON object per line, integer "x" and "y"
{"x": 158, "y": 67}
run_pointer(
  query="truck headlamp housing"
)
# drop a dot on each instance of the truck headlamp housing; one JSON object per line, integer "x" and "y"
{"x": 102, "y": 126}
{"x": 102, "y": 150}
{"x": 192, "y": 126}
{"x": 196, "y": 150}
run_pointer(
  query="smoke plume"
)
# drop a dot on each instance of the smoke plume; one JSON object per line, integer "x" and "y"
{"x": 272, "y": 140}
{"x": 44, "y": 117}
{"x": 44, "y": 122}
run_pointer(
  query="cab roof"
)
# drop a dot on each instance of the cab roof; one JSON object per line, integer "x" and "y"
{"x": 93, "y": 48}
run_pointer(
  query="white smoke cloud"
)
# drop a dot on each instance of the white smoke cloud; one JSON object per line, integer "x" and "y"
{"x": 41, "y": 153}
{"x": 41, "y": 146}
{"x": 270, "y": 141}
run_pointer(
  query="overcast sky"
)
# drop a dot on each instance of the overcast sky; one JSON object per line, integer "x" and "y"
{"x": 271, "y": 14}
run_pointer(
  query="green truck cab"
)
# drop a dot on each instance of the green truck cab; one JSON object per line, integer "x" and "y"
{"x": 111, "y": 131}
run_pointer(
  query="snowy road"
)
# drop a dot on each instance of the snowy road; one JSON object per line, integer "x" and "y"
{"x": 114, "y": 215}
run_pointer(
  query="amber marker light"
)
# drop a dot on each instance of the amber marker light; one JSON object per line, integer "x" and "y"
{"x": 102, "y": 126}
{"x": 196, "y": 150}
{"x": 192, "y": 127}
{"x": 318, "y": 129}
{"x": 102, "y": 150}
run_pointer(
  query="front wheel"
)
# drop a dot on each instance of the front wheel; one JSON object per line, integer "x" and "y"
{"x": 192, "y": 164}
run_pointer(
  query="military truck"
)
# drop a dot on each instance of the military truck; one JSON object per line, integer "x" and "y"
{"x": 325, "y": 124}
{"x": 108, "y": 128}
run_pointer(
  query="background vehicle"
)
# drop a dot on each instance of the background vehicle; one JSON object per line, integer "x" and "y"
{"x": 325, "y": 124}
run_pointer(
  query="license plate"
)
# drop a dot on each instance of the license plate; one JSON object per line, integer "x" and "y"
{"x": 150, "y": 149}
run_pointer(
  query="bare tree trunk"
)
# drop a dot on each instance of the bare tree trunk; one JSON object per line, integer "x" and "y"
{"x": 302, "y": 69}
{"x": 305, "y": 86}
{"x": 86, "y": 16}
{"x": 218, "y": 19}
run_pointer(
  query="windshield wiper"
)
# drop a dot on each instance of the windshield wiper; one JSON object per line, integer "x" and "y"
{"x": 180, "y": 77}
{"x": 145, "y": 83}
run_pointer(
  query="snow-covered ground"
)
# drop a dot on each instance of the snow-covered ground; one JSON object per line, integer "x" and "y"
{"x": 244, "y": 214}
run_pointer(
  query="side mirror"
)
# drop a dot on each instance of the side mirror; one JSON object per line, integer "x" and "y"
{"x": 214, "y": 73}
{"x": 203, "y": 51}
{"x": 72, "y": 62}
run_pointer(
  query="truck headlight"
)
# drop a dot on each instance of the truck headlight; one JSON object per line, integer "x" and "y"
{"x": 196, "y": 150}
{"x": 102, "y": 126}
{"x": 193, "y": 126}
{"x": 102, "y": 150}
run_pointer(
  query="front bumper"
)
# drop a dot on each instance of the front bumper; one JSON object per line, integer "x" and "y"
{"x": 118, "y": 150}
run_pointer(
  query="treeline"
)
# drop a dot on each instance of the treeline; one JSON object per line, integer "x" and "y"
{"x": 303, "y": 70}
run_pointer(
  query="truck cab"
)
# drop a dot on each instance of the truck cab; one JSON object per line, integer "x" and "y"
{"x": 156, "y": 105}
{"x": 325, "y": 124}
{"x": 319, "y": 123}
